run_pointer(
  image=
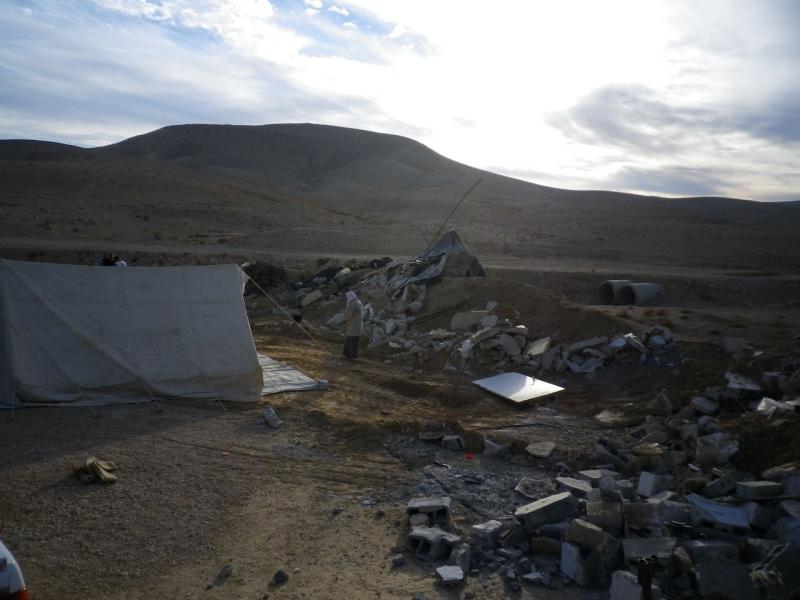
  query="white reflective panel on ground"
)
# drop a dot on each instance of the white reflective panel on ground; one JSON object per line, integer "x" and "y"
{"x": 517, "y": 387}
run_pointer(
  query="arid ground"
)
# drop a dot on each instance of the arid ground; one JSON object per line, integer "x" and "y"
{"x": 202, "y": 485}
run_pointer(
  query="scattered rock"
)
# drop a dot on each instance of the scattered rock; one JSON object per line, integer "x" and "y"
{"x": 279, "y": 577}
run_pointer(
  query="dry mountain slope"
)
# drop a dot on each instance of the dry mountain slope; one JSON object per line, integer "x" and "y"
{"x": 324, "y": 189}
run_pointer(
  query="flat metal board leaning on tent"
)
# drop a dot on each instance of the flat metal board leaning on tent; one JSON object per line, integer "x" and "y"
{"x": 77, "y": 335}
{"x": 517, "y": 387}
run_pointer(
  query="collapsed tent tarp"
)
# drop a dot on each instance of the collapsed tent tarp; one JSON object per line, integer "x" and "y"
{"x": 280, "y": 377}
{"x": 460, "y": 262}
{"x": 78, "y": 335}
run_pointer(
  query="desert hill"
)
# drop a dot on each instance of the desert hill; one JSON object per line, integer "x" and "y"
{"x": 303, "y": 188}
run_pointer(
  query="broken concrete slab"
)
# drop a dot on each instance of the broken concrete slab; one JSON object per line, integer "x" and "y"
{"x": 717, "y": 515}
{"x": 432, "y": 543}
{"x": 590, "y": 343}
{"x": 492, "y": 448}
{"x": 605, "y": 514}
{"x": 547, "y": 510}
{"x": 739, "y": 387}
{"x": 584, "y": 533}
{"x": 545, "y": 546}
{"x": 453, "y": 442}
{"x": 450, "y": 575}
{"x": 486, "y": 535}
{"x": 587, "y": 571}
{"x": 716, "y": 449}
{"x": 460, "y": 556}
{"x": 588, "y": 366}
{"x": 594, "y": 476}
{"x": 537, "y": 347}
{"x": 436, "y": 507}
{"x": 724, "y": 484}
{"x": 579, "y": 487}
{"x": 509, "y": 345}
{"x": 540, "y": 449}
{"x": 720, "y": 577}
{"x": 642, "y": 516}
{"x": 758, "y": 490}
{"x": 635, "y": 549}
{"x": 625, "y": 586}
{"x": 759, "y": 515}
{"x": 787, "y": 529}
{"x": 650, "y": 484}
{"x": 704, "y": 405}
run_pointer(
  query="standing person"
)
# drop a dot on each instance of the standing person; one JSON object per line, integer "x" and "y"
{"x": 353, "y": 325}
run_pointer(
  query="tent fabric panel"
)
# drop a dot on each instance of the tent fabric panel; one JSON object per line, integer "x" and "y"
{"x": 93, "y": 334}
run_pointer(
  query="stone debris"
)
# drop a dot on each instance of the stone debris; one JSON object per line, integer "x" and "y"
{"x": 547, "y": 510}
{"x": 625, "y": 586}
{"x": 279, "y": 577}
{"x": 540, "y": 449}
{"x": 667, "y": 506}
{"x": 758, "y": 490}
{"x": 432, "y": 543}
{"x": 436, "y": 508}
{"x": 395, "y": 294}
{"x": 271, "y": 418}
{"x": 450, "y": 575}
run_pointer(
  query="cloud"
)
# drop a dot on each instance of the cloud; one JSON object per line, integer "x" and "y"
{"x": 88, "y": 95}
{"x": 672, "y": 180}
{"x": 664, "y": 95}
{"x": 637, "y": 118}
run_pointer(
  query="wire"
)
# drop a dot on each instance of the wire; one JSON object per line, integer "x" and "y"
{"x": 288, "y": 316}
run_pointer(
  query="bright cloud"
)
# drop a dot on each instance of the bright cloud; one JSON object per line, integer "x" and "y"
{"x": 652, "y": 96}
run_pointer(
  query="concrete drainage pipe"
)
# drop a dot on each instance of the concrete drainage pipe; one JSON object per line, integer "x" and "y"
{"x": 637, "y": 294}
{"x": 609, "y": 290}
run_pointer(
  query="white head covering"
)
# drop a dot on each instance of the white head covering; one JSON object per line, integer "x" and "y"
{"x": 351, "y": 296}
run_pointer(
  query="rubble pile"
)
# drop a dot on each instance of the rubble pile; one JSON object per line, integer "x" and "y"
{"x": 664, "y": 512}
{"x": 479, "y": 340}
{"x": 499, "y": 345}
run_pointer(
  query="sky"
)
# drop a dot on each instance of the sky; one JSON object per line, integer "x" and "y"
{"x": 674, "y": 98}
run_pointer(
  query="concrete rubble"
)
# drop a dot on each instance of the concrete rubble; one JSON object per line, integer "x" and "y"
{"x": 667, "y": 504}
{"x": 395, "y": 294}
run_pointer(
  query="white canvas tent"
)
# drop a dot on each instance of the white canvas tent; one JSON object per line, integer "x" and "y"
{"x": 78, "y": 335}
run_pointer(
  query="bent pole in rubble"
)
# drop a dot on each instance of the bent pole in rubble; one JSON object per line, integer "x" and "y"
{"x": 452, "y": 212}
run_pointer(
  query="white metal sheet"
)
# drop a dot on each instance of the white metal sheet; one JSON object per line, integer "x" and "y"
{"x": 517, "y": 387}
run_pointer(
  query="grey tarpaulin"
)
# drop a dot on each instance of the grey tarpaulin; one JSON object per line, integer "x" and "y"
{"x": 280, "y": 377}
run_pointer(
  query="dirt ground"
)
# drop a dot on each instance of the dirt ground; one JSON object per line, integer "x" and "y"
{"x": 202, "y": 485}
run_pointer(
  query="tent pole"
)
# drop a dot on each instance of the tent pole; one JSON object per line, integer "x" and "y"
{"x": 439, "y": 232}
{"x": 288, "y": 316}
